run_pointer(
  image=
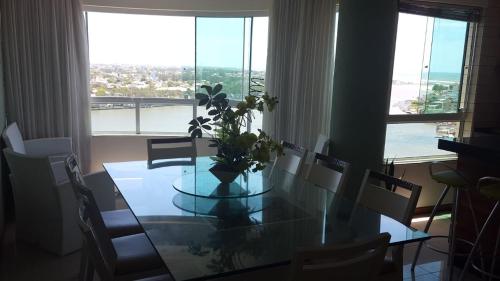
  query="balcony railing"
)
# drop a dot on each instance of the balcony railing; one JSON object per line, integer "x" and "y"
{"x": 106, "y": 103}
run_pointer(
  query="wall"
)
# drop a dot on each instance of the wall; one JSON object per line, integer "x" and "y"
{"x": 2, "y": 123}
{"x": 180, "y": 6}
{"x": 487, "y": 83}
{"x": 129, "y": 148}
{"x": 363, "y": 74}
{"x": 418, "y": 173}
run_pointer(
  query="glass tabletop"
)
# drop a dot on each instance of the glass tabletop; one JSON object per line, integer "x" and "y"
{"x": 197, "y": 180}
{"x": 201, "y": 237}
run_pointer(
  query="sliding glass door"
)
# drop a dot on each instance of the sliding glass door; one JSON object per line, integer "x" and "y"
{"x": 145, "y": 69}
{"x": 443, "y": 67}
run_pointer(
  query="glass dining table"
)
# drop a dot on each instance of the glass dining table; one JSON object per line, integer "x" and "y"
{"x": 258, "y": 222}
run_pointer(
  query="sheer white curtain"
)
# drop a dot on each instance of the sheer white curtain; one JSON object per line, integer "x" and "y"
{"x": 300, "y": 69}
{"x": 46, "y": 70}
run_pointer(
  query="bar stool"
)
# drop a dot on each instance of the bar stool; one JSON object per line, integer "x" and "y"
{"x": 488, "y": 187}
{"x": 451, "y": 178}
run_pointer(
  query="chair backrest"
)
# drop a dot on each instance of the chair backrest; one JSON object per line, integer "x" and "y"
{"x": 171, "y": 148}
{"x": 13, "y": 138}
{"x": 328, "y": 172}
{"x": 388, "y": 202}
{"x": 91, "y": 246}
{"x": 74, "y": 173}
{"x": 90, "y": 212}
{"x": 33, "y": 187}
{"x": 359, "y": 261}
{"x": 321, "y": 144}
{"x": 292, "y": 159}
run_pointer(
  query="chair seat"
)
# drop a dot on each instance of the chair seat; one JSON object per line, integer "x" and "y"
{"x": 134, "y": 253}
{"x": 491, "y": 191}
{"x": 164, "y": 277}
{"x": 450, "y": 177}
{"x": 120, "y": 223}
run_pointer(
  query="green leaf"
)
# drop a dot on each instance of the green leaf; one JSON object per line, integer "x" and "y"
{"x": 220, "y": 96}
{"x": 208, "y": 89}
{"x": 216, "y": 117}
{"x": 217, "y": 89}
{"x": 193, "y": 133}
{"x": 203, "y": 101}
{"x": 191, "y": 128}
{"x": 196, "y": 133}
{"x": 199, "y": 134}
{"x": 213, "y": 112}
{"x": 205, "y": 120}
{"x": 193, "y": 122}
{"x": 201, "y": 96}
{"x": 206, "y": 127}
{"x": 209, "y": 104}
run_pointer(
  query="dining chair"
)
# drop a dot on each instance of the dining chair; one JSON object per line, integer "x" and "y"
{"x": 357, "y": 261}
{"x": 375, "y": 194}
{"x": 117, "y": 222}
{"x": 45, "y": 208}
{"x": 171, "y": 148}
{"x": 292, "y": 159}
{"x": 328, "y": 172}
{"x": 128, "y": 257}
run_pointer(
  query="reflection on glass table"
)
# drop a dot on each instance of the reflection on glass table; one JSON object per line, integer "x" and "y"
{"x": 219, "y": 207}
{"x": 202, "y": 238}
{"x": 197, "y": 180}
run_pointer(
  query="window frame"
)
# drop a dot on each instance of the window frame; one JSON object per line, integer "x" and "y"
{"x": 463, "y": 100}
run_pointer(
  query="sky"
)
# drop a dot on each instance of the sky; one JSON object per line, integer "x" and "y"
{"x": 170, "y": 40}
{"x": 413, "y": 46}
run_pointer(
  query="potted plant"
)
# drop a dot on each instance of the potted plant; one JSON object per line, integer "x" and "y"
{"x": 238, "y": 151}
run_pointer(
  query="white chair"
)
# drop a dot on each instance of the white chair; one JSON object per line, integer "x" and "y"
{"x": 171, "y": 148}
{"x": 45, "y": 207}
{"x": 328, "y": 172}
{"x": 292, "y": 160}
{"x": 321, "y": 147}
{"x": 122, "y": 258}
{"x": 379, "y": 192}
{"x": 358, "y": 261}
{"x": 45, "y": 210}
{"x": 322, "y": 144}
{"x": 117, "y": 222}
{"x": 56, "y": 149}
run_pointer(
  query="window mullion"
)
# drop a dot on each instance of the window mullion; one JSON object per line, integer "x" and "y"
{"x": 418, "y": 118}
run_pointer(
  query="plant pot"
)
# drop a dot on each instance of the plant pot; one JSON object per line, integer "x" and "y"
{"x": 223, "y": 173}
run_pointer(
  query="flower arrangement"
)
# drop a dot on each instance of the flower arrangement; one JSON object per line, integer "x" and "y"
{"x": 238, "y": 151}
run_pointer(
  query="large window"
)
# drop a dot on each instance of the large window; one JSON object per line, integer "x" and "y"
{"x": 429, "y": 84}
{"x": 145, "y": 69}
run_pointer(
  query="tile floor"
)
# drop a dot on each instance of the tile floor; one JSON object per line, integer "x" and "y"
{"x": 22, "y": 263}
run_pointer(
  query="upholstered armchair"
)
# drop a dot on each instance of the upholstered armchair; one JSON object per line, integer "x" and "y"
{"x": 46, "y": 207}
{"x": 57, "y": 149}
{"x": 54, "y": 147}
